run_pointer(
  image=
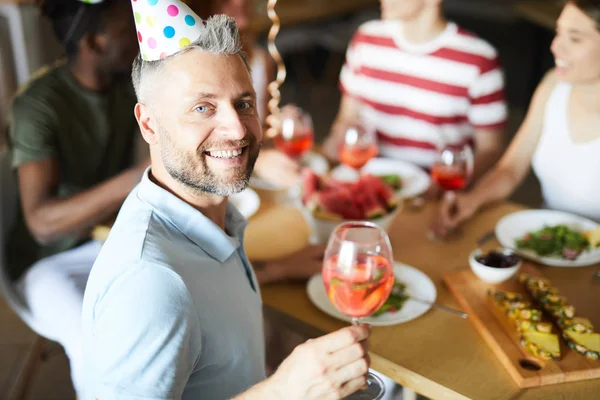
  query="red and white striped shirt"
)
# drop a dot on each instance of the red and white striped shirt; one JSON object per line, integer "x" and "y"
{"x": 423, "y": 97}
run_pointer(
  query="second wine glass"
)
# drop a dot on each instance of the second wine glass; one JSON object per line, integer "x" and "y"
{"x": 296, "y": 135}
{"x": 453, "y": 168}
{"x": 452, "y": 171}
{"x": 359, "y": 145}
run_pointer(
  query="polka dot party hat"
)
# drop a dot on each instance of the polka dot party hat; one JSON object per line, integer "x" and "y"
{"x": 164, "y": 27}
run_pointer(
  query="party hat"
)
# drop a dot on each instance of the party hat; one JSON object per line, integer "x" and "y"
{"x": 164, "y": 27}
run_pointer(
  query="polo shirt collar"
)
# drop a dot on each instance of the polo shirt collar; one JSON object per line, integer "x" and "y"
{"x": 192, "y": 223}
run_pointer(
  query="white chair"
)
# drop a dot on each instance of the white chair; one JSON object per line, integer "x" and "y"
{"x": 8, "y": 212}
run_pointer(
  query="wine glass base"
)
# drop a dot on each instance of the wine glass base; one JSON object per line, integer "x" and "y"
{"x": 374, "y": 390}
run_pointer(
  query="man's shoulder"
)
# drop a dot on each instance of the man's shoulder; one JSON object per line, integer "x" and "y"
{"x": 136, "y": 288}
{"x": 129, "y": 233}
{"x": 45, "y": 86}
{"x": 139, "y": 236}
{"x": 124, "y": 255}
{"x": 140, "y": 324}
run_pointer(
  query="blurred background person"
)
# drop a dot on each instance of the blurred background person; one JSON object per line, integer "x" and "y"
{"x": 559, "y": 137}
{"x": 72, "y": 136}
{"x": 423, "y": 83}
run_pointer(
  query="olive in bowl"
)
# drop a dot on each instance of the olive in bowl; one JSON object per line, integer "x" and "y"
{"x": 495, "y": 266}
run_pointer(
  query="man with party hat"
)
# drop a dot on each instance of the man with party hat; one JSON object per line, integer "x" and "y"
{"x": 172, "y": 308}
{"x": 71, "y": 141}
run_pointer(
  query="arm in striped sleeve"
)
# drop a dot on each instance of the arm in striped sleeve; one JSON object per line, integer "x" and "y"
{"x": 488, "y": 115}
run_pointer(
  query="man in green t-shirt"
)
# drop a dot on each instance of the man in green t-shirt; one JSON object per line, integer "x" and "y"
{"x": 72, "y": 137}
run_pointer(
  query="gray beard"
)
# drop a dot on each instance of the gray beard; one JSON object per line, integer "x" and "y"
{"x": 181, "y": 168}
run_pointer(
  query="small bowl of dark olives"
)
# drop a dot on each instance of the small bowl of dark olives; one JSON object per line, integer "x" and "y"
{"x": 494, "y": 266}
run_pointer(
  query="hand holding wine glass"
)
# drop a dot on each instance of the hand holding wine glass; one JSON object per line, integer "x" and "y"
{"x": 358, "y": 276}
{"x": 278, "y": 169}
{"x": 452, "y": 172}
{"x": 329, "y": 367}
{"x": 454, "y": 209}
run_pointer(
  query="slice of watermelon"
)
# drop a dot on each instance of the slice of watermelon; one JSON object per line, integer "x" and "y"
{"x": 332, "y": 184}
{"x": 384, "y": 193}
{"x": 339, "y": 202}
{"x": 372, "y": 208}
{"x": 368, "y": 202}
{"x": 369, "y": 205}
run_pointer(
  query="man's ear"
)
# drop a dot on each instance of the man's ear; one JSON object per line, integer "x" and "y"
{"x": 95, "y": 43}
{"x": 147, "y": 122}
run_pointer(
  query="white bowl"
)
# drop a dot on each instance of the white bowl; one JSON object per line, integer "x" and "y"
{"x": 491, "y": 274}
{"x": 322, "y": 228}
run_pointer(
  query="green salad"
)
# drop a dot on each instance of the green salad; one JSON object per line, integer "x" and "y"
{"x": 396, "y": 300}
{"x": 555, "y": 241}
{"x": 393, "y": 180}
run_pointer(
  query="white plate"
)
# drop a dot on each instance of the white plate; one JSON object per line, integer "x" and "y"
{"x": 514, "y": 226}
{"x": 247, "y": 202}
{"x": 418, "y": 285}
{"x": 312, "y": 160}
{"x": 415, "y": 181}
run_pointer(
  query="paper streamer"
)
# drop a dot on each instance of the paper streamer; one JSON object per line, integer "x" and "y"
{"x": 273, "y": 118}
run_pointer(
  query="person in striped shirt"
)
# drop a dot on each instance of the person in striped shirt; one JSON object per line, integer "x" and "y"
{"x": 423, "y": 83}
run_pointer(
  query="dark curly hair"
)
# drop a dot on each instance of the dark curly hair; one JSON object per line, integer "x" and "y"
{"x": 72, "y": 20}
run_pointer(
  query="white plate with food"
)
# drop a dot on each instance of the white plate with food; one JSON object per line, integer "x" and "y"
{"x": 549, "y": 237}
{"x": 411, "y": 281}
{"x": 247, "y": 202}
{"x": 313, "y": 161}
{"x": 407, "y": 179}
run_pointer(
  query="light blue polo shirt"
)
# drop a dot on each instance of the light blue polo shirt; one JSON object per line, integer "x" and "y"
{"x": 172, "y": 308}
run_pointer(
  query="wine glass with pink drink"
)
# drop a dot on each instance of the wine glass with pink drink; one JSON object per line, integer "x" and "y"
{"x": 358, "y": 276}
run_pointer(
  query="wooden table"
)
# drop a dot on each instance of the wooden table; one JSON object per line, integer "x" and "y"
{"x": 540, "y": 12}
{"x": 438, "y": 355}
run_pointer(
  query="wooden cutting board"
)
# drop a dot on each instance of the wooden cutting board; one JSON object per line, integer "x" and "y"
{"x": 501, "y": 334}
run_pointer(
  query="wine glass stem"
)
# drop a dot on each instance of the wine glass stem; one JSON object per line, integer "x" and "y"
{"x": 374, "y": 388}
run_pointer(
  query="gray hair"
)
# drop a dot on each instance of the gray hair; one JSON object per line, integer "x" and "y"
{"x": 220, "y": 36}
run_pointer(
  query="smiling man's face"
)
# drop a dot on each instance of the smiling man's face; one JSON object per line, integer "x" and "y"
{"x": 209, "y": 132}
